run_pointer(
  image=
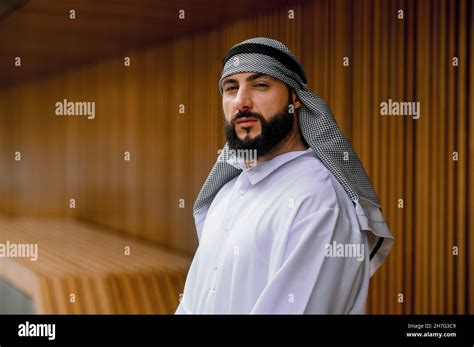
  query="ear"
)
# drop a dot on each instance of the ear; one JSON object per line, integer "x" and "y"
{"x": 295, "y": 100}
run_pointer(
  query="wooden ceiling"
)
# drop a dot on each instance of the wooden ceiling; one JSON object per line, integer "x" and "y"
{"x": 48, "y": 41}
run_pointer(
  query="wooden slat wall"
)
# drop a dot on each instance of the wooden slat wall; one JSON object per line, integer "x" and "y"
{"x": 79, "y": 259}
{"x": 137, "y": 108}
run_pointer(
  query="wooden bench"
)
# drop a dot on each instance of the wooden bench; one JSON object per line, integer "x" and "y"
{"x": 83, "y": 269}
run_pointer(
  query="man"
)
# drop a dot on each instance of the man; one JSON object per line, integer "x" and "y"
{"x": 299, "y": 232}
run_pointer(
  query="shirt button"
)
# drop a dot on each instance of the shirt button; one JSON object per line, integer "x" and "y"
{"x": 242, "y": 191}
{"x": 215, "y": 267}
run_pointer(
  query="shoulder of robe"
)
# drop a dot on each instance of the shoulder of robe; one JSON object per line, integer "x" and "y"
{"x": 314, "y": 187}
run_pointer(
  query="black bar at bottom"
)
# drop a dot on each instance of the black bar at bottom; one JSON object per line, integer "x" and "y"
{"x": 209, "y": 329}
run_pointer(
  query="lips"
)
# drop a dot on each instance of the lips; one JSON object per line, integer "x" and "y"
{"x": 246, "y": 121}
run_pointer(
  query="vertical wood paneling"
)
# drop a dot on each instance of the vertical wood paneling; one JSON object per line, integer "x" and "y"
{"x": 469, "y": 155}
{"x": 394, "y": 171}
{"x": 179, "y": 170}
{"x": 421, "y": 160}
{"x": 461, "y": 146}
{"x": 374, "y": 123}
{"x": 137, "y": 110}
{"x": 450, "y": 186}
{"x": 437, "y": 159}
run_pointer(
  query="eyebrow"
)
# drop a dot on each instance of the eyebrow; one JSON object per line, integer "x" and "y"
{"x": 252, "y": 77}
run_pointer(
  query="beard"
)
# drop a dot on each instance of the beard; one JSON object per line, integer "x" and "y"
{"x": 273, "y": 134}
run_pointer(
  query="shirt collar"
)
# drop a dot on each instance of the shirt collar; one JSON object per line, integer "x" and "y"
{"x": 262, "y": 169}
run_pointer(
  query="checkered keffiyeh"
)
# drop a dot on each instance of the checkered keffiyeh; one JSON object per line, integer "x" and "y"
{"x": 317, "y": 124}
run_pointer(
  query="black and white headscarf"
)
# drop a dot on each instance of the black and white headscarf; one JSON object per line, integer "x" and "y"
{"x": 319, "y": 129}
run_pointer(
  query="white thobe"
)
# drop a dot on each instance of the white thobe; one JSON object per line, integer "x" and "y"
{"x": 265, "y": 241}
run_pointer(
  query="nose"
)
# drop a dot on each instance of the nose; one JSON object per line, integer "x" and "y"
{"x": 243, "y": 99}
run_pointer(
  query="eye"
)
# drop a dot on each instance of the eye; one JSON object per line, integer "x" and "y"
{"x": 261, "y": 85}
{"x": 230, "y": 88}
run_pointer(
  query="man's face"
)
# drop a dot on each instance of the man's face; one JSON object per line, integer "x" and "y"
{"x": 256, "y": 112}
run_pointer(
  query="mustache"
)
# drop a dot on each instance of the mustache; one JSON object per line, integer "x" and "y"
{"x": 247, "y": 113}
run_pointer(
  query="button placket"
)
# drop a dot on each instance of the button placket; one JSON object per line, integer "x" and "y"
{"x": 234, "y": 202}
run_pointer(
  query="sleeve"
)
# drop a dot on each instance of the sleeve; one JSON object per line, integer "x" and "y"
{"x": 313, "y": 277}
{"x": 199, "y": 220}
